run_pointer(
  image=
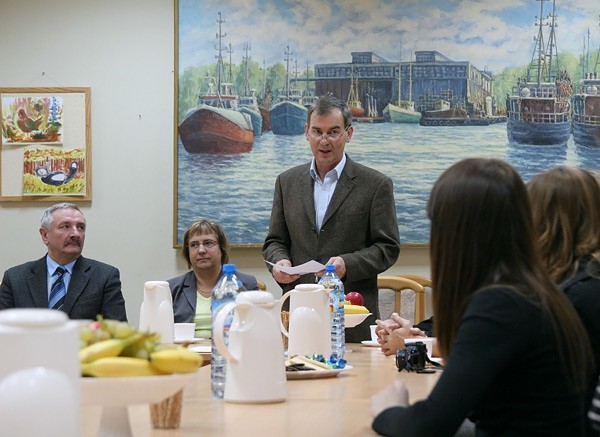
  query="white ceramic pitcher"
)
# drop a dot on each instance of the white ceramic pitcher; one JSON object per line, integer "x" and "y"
{"x": 310, "y": 320}
{"x": 156, "y": 313}
{"x": 39, "y": 373}
{"x": 255, "y": 360}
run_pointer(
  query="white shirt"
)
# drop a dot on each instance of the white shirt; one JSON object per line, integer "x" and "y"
{"x": 323, "y": 190}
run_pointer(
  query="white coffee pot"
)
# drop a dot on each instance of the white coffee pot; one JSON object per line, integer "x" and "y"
{"x": 309, "y": 321}
{"x": 39, "y": 373}
{"x": 255, "y": 358}
{"x": 156, "y": 312}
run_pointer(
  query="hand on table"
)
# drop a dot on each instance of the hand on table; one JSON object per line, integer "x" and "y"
{"x": 281, "y": 277}
{"x": 396, "y": 395}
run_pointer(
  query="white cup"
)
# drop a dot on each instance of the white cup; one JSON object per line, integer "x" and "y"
{"x": 428, "y": 341}
{"x": 184, "y": 331}
{"x": 373, "y": 332}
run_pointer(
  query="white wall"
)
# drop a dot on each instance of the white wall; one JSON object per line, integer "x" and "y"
{"x": 124, "y": 51}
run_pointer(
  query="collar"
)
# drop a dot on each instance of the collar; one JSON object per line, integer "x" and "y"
{"x": 338, "y": 169}
{"x": 51, "y": 265}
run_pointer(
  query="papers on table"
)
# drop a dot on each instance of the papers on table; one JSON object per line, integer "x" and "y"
{"x": 307, "y": 267}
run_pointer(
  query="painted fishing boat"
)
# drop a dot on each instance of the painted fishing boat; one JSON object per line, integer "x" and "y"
{"x": 288, "y": 115}
{"x": 354, "y": 103}
{"x": 586, "y": 112}
{"x": 215, "y": 125}
{"x": 539, "y": 108}
{"x": 404, "y": 110}
{"x": 248, "y": 103}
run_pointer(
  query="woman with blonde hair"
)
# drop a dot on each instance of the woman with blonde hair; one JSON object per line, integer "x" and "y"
{"x": 517, "y": 356}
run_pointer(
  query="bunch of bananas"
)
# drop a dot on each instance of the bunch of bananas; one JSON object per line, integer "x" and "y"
{"x": 354, "y": 309}
{"x": 110, "y": 348}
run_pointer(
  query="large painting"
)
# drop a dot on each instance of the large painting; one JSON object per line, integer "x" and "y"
{"x": 428, "y": 82}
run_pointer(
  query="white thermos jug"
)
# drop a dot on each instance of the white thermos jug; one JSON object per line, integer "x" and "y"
{"x": 39, "y": 373}
{"x": 156, "y": 313}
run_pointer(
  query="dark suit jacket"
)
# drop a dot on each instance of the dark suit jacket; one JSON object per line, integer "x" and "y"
{"x": 95, "y": 288}
{"x": 359, "y": 225}
{"x": 183, "y": 289}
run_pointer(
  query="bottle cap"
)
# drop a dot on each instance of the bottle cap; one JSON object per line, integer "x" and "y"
{"x": 228, "y": 268}
{"x": 330, "y": 268}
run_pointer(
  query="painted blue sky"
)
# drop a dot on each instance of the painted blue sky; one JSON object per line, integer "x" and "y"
{"x": 492, "y": 34}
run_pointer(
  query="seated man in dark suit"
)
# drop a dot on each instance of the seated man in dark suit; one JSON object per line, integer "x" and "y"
{"x": 63, "y": 279}
{"x": 205, "y": 249}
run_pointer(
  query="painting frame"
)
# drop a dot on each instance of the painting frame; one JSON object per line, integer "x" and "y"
{"x": 449, "y": 71}
{"x": 62, "y": 129}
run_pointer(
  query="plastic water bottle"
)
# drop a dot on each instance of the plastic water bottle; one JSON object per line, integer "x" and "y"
{"x": 336, "y": 304}
{"x": 225, "y": 291}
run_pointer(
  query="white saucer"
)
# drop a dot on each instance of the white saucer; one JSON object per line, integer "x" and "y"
{"x": 370, "y": 343}
{"x": 188, "y": 341}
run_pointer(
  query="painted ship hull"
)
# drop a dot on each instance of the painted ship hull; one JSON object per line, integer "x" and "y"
{"x": 266, "y": 118}
{"x": 207, "y": 129}
{"x": 255, "y": 118}
{"x": 539, "y": 114}
{"x": 356, "y": 111}
{"x": 396, "y": 114}
{"x": 288, "y": 118}
{"x": 586, "y": 114}
{"x": 526, "y": 132}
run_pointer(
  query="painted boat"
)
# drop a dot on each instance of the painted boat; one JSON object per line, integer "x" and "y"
{"x": 288, "y": 115}
{"x": 539, "y": 108}
{"x": 586, "y": 112}
{"x": 209, "y": 129}
{"x": 249, "y": 105}
{"x": 354, "y": 103}
{"x": 404, "y": 110}
{"x": 287, "y": 118}
{"x": 215, "y": 125}
{"x": 405, "y": 113}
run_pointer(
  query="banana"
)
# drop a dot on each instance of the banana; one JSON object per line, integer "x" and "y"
{"x": 115, "y": 367}
{"x": 178, "y": 360}
{"x": 355, "y": 309}
{"x": 106, "y": 348}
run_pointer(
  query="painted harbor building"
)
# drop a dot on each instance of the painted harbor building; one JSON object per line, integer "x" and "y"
{"x": 429, "y": 79}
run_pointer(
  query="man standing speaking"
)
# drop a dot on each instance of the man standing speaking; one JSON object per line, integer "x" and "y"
{"x": 335, "y": 211}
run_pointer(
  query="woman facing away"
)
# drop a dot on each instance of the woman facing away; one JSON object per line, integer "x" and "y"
{"x": 205, "y": 249}
{"x": 517, "y": 356}
{"x": 565, "y": 203}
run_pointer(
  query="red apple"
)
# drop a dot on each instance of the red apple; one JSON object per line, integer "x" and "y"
{"x": 355, "y": 298}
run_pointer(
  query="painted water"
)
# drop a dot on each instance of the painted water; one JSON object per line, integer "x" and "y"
{"x": 237, "y": 190}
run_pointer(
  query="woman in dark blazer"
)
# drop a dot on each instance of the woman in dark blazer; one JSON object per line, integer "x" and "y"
{"x": 205, "y": 249}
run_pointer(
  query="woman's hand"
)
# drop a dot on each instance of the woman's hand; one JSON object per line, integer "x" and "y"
{"x": 396, "y": 395}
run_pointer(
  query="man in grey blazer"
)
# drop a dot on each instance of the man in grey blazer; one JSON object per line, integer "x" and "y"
{"x": 335, "y": 211}
{"x": 63, "y": 279}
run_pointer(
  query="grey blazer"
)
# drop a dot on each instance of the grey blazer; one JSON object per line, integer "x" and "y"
{"x": 359, "y": 225}
{"x": 95, "y": 288}
{"x": 183, "y": 289}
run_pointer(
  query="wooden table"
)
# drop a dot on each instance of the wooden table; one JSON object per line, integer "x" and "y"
{"x": 328, "y": 407}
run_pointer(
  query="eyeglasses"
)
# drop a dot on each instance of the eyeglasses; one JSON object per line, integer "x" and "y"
{"x": 335, "y": 135}
{"x": 208, "y": 244}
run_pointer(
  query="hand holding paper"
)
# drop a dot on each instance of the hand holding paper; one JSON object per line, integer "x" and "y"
{"x": 307, "y": 267}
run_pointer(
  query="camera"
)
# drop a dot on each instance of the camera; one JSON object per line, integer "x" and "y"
{"x": 413, "y": 358}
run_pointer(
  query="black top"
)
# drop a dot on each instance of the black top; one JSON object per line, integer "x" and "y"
{"x": 583, "y": 290}
{"x": 504, "y": 368}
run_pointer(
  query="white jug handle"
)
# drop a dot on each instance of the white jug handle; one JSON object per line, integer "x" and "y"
{"x": 281, "y": 325}
{"x": 219, "y": 327}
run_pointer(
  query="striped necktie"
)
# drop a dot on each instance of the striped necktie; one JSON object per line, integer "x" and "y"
{"x": 58, "y": 291}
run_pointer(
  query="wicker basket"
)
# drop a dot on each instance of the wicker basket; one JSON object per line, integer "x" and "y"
{"x": 285, "y": 319}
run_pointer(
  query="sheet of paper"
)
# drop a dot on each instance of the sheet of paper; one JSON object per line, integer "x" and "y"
{"x": 307, "y": 267}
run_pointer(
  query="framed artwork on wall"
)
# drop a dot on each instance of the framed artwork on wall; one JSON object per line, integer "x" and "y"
{"x": 429, "y": 83}
{"x": 45, "y": 149}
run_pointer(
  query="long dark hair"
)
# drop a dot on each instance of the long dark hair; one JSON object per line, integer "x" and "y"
{"x": 481, "y": 235}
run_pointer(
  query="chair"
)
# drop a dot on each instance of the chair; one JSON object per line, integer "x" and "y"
{"x": 425, "y": 282}
{"x": 399, "y": 283}
{"x": 261, "y": 285}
